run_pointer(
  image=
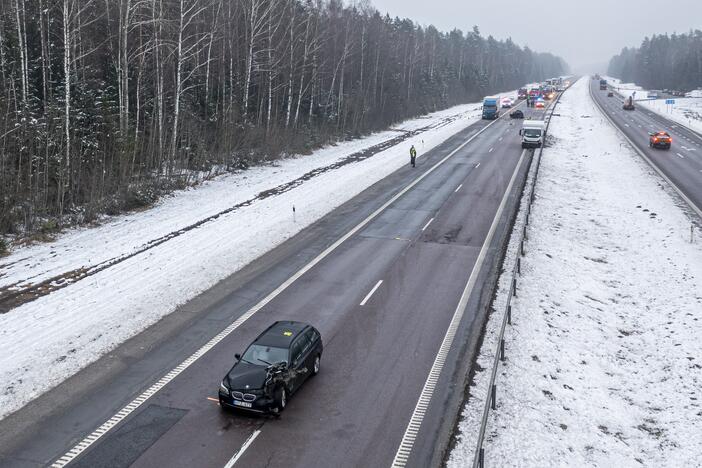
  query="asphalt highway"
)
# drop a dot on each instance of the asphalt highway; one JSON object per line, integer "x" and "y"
{"x": 681, "y": 164}
{"x": 424, "y": 232}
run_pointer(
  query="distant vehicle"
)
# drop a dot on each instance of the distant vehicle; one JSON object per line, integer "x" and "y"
{"x": 522, "y": 93}
{"x": 491, "y": 107}
{"x": 660, "y": 140}
{"x": 506, "y": 103}
{"x": 610, "y": 94}
{"x": 534, "y": 93}
{"x": 272, "y": 368}
{"x": 653, "y": 95}
{"x": 629, "y": 104}
{"x": 540, "y": 104}
{"x": 516, "y": 114}
{"x": 532, "y": 133}
{"x": 603, "y": 85}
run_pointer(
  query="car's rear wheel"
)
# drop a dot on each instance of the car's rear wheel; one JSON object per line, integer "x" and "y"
{"x": 316, "y": 365}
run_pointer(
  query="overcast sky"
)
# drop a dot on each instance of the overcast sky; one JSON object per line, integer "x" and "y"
{"x": 586, "y": 33}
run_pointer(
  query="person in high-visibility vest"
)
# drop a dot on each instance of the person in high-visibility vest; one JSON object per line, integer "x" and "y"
{"x": 413, "y": 156}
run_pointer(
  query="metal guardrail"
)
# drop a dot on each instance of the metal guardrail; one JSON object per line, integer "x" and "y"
{"x": 491, "y": 401}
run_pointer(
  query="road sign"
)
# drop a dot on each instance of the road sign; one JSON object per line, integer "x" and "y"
{"x": 670, "y": 101}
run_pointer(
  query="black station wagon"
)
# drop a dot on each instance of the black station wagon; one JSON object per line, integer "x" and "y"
{"x": 272, "y": 368}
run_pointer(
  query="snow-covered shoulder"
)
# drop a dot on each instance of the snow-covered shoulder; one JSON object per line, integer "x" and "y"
{"x": 604, "y": 357}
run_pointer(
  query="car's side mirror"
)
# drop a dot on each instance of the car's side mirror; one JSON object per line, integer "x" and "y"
{"x": 237, "y": 356}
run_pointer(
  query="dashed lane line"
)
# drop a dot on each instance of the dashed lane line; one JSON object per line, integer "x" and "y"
{"x": 371, "y": 292}
{"x": 243, "y": 448}
{"x": 412, "y": 431}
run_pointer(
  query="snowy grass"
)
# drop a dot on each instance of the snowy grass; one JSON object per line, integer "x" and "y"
{"x": 52, "y": 338}
{"x": 685, "y": 111}
{"x": 604, "y": 360}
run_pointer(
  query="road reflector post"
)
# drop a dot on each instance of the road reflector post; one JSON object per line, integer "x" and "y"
{"x": 494, "y": 396}
{"x": 481, "y": 458}
{"x": 509, "y": 314}
{"x": 519, "y": 265}
{"x": 502, "y": 349}
{"x": 514, "y": 287}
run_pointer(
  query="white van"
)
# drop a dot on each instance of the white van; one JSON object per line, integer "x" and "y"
{"x": 532, "y": 133}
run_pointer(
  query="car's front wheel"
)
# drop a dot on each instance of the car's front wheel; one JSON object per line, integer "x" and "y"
{"x": 316, "y": 365}
{"x": 281, "y": 399}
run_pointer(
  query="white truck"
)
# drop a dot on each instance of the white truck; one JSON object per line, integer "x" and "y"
{"x": 533, "y": 133}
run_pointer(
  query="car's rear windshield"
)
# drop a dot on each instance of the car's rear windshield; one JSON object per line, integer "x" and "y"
{"x": 265, "y": 355}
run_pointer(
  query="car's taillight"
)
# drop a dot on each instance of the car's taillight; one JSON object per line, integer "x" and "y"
{"x": 655, "y": 140}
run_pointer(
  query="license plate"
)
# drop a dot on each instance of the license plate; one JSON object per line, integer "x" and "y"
{"x": 243, "y": 404}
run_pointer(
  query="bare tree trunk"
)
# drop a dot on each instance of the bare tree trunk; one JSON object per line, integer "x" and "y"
{"x": 22, "y": 39}
{"x": 123, "y": 65}
{"x": 178, "y": 87}
{"x": 67, "y": 47}
{"x": 292, "y": 64}
{"x": 270, "y": 76}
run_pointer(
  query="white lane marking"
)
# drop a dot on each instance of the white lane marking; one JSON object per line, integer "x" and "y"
{"x": 490, "y": 150}
{"x": 427, "y": 225}
{"x": 458, "y": 188}
{"x": 368, "y": 296}
{"x": 680, "y": 155}
{"x": 243, "y": 448}
{"x": 477, "y": 165}
{"x": 415, "y": 422}
{"x": 499, "y": 139}
{"x": 163, "y": 381}
{"x": 626, "y": 124}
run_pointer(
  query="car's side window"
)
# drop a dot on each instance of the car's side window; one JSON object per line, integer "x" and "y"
{"x": 311, "y": 335}
{"x": 305, "y": 344}
{"x": 297, "y": 350}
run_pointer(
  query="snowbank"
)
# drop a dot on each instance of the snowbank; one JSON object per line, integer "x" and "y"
{"x": 604, "y": 360}
{"x": 50, "y": 339}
